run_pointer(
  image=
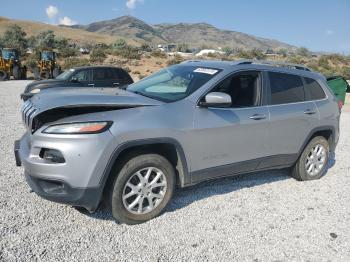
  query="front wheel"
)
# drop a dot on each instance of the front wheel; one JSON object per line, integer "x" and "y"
{"x": 313, "y": 161}
{"x": 142, "y": 189}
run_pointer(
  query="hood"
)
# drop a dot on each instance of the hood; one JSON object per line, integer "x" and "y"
{"x": 89, "y": 97}
{"x": 52, "y": 105}
{"x": 41, "y": 84}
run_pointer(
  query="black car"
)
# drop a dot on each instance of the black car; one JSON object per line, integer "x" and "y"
{"x": 88, "y": 76}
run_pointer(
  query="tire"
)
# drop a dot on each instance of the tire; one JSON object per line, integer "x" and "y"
{"x": 311, "y": 158}
{"x": 24, "y": 73}
{"x": 3, "y": 75}
{"x": 55, "y": 72}
{"x": 36, "y": 72}
{"x": 16, "y": 71}
{"x": 45, "y": 75}
{"x": 141, "y": 164}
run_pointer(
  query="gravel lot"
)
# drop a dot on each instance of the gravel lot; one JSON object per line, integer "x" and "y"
{"x": 258, "y": 217}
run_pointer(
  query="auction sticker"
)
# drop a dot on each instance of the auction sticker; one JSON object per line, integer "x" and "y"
{"x": 208, "y": 71}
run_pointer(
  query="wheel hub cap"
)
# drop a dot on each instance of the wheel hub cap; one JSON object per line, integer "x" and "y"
{"x": 144, "y": 190}
{"x": 316, "y": 159}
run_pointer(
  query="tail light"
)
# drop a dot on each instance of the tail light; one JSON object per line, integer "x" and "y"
{"x": 340, "y": 104}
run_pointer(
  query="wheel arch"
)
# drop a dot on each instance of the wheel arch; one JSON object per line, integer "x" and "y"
{"x": 167, "y": 147}
{"x": 327, "y": 132}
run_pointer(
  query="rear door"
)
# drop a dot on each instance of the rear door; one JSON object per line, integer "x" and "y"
{"x": 109, "y": 77}
{"x": 292, "y": 117}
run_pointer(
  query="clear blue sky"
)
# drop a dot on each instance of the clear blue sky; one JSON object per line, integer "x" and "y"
{"x": 320, "y": 25}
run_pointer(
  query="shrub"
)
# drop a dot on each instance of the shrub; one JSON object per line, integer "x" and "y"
{"x": 32, "y": 61}
{"x": 158, "y": 53}
{"x": 346, "y": 72}
{"x": 128, "y": 52}
{"x": 177, "y": 59}
{"x": 75, "y": 62}
{"x": 97, "y": 55}
{"x": 67, "y": 52}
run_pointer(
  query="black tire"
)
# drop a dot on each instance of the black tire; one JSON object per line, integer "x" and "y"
{"x": 16, "y": 71}
{"x": 45, "y": 75}
{"x": 24, "y": 73}
{"x": 36, "y": 72}
{"x": 299, "y": 171}
{"x": 131, "y": 165}
{"x": 56, "y": 71}
{"x": 3, "y": 75}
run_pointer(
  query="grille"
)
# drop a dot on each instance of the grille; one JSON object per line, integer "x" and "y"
{"x": 28, "y": 113}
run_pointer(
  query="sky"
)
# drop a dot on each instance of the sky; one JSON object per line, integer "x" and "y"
{"x": 319, "y": 25}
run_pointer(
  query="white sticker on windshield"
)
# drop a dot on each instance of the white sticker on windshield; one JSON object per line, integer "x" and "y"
{"x": 208, "y": 71}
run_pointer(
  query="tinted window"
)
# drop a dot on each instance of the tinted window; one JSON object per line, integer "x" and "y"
{"x": 83, "y": 75}
{"x": 124, "y": 76}
{"x": 286, "y": 88}
{"x": 102, "y": 74}
{"x": 244, "y": 89}
{"x": 314, "y": 90}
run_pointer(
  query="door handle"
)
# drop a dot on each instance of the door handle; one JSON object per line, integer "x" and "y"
{"x": 91, "y": 85}
{"x": 116, "y": 84}
{"x": 309, "y": 112}
{"x": 258, "y": 116}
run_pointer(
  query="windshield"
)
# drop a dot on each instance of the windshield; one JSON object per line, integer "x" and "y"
{"x": 47, "y": 56}
{"x": 65, "y": 75}
{"x": 9, "y": 54}
{"x": 173, "y": 83}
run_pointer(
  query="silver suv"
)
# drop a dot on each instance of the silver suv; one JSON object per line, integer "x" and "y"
{"x": 183, "y": 125}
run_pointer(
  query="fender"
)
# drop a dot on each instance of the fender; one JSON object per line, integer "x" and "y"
{"x": 315, "y": 130}
{"x": 184, "y": 176}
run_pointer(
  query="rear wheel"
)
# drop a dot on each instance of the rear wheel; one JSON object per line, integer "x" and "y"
{"x": 16, "y": 72}
{"x": 55, "y": 72}
{"x": 3, "y": 75}
{"x": 24, "y": 73}
{"x": 36, "y": 72}
{"x": 142, "y": 188}
{"x": 45, "y": 75}
{"x": 313, "y": 161}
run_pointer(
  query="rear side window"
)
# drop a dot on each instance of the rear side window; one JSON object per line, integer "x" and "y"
{"x": 313, "y": 89}
{"x": 286, "y": 88}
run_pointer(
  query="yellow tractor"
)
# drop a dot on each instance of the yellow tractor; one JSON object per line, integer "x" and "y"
{"x": 10, "y": 65}
{"x": 47, "y": 66}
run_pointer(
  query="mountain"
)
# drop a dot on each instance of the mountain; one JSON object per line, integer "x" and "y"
{"x": 80, "y": 36}
{"x": 196, "y": 34}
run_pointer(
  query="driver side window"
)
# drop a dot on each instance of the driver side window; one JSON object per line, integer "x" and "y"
{"x": 82, "y": 76}
{"x": 244, "y": 89}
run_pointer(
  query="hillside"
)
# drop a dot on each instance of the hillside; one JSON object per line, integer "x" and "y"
{"x": 76, "y": 35}
{"x": 195, "y": 35}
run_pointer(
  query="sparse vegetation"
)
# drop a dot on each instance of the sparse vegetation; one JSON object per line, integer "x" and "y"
{"x": 177, "y": 59}
{"x": 75, "y": 62}
{"x": 97, "y": 55}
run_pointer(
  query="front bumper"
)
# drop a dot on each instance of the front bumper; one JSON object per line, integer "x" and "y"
{"x": 77, "y": 181}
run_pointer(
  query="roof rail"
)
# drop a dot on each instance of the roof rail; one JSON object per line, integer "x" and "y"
{"x": 272, "y": 63}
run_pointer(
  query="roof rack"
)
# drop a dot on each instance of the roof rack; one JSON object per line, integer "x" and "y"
{"x": 272, "y": 63}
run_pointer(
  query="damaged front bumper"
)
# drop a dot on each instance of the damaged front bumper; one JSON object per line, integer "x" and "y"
{"x": 76, "y": 181}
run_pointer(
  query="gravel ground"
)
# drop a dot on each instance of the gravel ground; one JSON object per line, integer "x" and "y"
{"x": 258, "y": 217}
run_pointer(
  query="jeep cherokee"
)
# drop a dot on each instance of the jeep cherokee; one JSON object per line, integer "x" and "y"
{"x": 185, "y": 124}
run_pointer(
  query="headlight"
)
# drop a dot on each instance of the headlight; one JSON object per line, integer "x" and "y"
{"x": 78, "y": 128}
{"x": 35, "y": 91}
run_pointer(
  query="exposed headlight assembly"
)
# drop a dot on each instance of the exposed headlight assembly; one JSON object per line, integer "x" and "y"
{"x": 78, "y": 128}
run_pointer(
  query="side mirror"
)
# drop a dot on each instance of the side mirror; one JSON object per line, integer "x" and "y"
{"x": 216, "y": 99}
{"x": 74, "y": 80}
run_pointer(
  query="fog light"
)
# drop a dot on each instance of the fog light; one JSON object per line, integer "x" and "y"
{"x": 52, "y": 155}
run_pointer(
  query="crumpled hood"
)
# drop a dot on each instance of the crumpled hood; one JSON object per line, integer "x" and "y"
{"x": 89, "y": 97}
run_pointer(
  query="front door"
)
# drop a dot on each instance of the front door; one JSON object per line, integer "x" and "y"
{"x": 231, "y": 140}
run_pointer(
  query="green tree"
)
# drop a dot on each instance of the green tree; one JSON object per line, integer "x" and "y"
{"x": 46, "y": 39}
{"x": 60, "y": 42}
{"x": 97, "y": 55}
{"x": 120, "y": 43}
{"x": 15, "y": 37}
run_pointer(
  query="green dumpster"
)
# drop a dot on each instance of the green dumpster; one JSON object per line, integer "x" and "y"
{"x": 339, "y": 86}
